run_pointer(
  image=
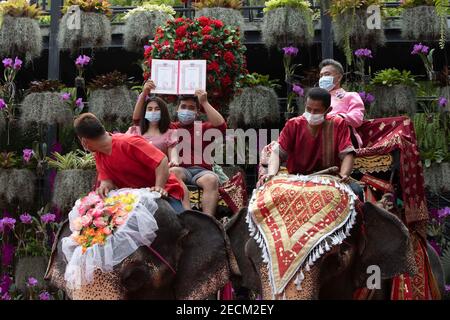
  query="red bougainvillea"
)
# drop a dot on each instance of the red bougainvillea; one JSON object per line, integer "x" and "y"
{"x": 203, "y": 39}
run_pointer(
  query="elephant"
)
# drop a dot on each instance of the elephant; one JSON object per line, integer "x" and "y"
{"x": 191, "y": 258}
{"x": 383, "y": 241}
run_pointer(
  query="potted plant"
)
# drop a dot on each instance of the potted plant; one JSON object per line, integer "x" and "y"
{"x": 256, "y": 105}
{"x": 141, "y": 24}
{"x": 110, "y": 99}
{"x": 227, "y": 11}
{"x": 207, "y": 39}
{"x": 395, "y": 93}
{"x": 85, "y": 24}
{"x": 34, "y": 236}
{"x": 17, "y": 176}
{"x": 425, "y": 19}
{"x": 350, "y": 28}
{"x": 45, "y": 104}
{"x": 75, "y": 177}
{"x": 20, "y": 34}
{"x": 287, "y": 22}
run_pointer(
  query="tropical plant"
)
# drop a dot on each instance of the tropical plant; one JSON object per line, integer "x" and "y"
{"x": 232, "y": 4}
{"x": 149, "y": 7}
{"x": 72, "y": 160}
{"x": 392, "y": 76}
{"x": 8, "y": 160}
{"x": 255, "y": 79}
{"x": 19, "y": 8}
{"x": 339, "y": 7}
{"x": 108, "y": 80}
{"x": 297, "y": 4}
{"x": 97, "y": 6}
{"x": 46, "y": 85}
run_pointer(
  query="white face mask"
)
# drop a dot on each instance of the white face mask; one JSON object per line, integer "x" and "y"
{"x": 314, "y": 119}
{"x": 326, "y": 82}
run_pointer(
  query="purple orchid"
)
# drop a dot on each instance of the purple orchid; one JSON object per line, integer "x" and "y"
{"x": 8, "y": 63}
{"x": 65, "y": 96}
{"x": 48, "y": 217}
{"x": 26, "y": 218}
{"x": 298, "y": 90}
{"x": 44, "y": 295}
{"x": 32, "y": 282}
{"x": 27, "y": 154}
{"x": 5, "y": 283}
{"x": 420, "y": 48}
{"x": 442, "y": 102}
{"x": 17, "y": 64}
{"x": 443, "y": 213}
{"x": 7, "y": 224}
{"x": 82, "y": 61}
{"x": 363, "y": 53}
{"x": 366, "y": 97}
{"x": 79, "y": 103}
{"x": 2, "y": 104}
{"x": 290, "y": 51}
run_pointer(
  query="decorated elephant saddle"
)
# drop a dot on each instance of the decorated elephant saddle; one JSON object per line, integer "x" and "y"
{"x": 296, "y": 219}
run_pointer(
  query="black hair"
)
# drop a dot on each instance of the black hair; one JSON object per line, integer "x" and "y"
{"x": 319, "y": 94}
{"x": 164, "y": 122}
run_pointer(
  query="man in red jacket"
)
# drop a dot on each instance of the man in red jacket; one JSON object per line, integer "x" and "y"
{"x": 125, "y": 161}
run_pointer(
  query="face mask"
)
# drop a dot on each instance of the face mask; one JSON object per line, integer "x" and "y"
{"x": 327, "y": 83}
{"x": 153, "y": 116}
{"x": 186, "y": 116}
{"x": 314, "y": 119}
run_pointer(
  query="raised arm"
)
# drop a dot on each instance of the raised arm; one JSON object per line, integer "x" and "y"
{"x": 140, "y": 103}
{"x": 214, "y": 117}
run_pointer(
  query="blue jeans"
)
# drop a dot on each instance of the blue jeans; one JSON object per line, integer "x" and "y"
{"x": 176, "y": 205}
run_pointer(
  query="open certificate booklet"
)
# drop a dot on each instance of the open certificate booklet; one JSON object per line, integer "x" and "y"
{"x": 178, "y": 76}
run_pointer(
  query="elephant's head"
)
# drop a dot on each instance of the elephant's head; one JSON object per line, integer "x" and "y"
{"x": 190, "y": 259}
{"x": 378, "y": 238}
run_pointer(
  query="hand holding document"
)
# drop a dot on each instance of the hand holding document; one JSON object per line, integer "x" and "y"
{"x": 178, "y": 76}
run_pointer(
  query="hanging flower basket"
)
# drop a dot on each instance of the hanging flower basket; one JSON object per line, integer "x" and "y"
{"x": 255, "y": 107}
{"x": 71, "y": 185}
{"x": 393, "y": 101}
{"x": 20, "y": 34}
{"x": 437, "y": 177}
{"x": 141, "y": 24}
{"x": 115, "y": 104}
{"x": 45, "y": 108}
{"x": 17, "y": 185}
{"x": 422, "y": 22}
{"x": 351, "y": 32}
{"x": 285, "y": 26}
{"x": 229, "y": 17}
{"x": 93, "y": 31}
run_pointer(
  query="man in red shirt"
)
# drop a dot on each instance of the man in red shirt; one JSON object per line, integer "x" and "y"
{"x": 314, "y": 141}
{"x": 125, "y": 161}
{"x": 197, "y": 169}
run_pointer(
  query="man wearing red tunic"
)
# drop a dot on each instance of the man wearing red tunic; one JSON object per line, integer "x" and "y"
{"x": 125, "y": 161}
{"x": 314, "y": 141}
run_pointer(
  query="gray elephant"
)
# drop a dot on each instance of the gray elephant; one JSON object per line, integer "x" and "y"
{"x": 385, "y": 242}
{"x": 190, "y": 259}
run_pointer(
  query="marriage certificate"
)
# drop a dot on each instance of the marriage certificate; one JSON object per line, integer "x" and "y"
{"x": 178, "y": 76}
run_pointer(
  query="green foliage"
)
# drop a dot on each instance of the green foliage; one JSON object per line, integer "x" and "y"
{"x": 390, "y": 77}
{"x": 8, "y": 160}
{"x": 97, "y": 6}
{"x": 73, "y": 160}
{"x": 433, "y": 132}
{"x": 19, "y": 8}
{"x": 441, "y": 11}
{"x": 297, "y": 4}
{"x": 255, "y": 79}
{"x": 339, "y": 7}
{"x": 416, "y": 3}
{"x": 232, "y": 4}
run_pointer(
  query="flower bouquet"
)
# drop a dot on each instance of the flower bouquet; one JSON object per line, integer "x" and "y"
{"x": 100, "y": 218}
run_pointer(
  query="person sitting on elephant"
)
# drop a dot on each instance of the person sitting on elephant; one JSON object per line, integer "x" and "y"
{"x": 126, "y": 161}
{"x": 193, "y": 171}
{"x": 152, "y": 120}
{"x": 314, "y": 141}
{"x": 347, "y": 105}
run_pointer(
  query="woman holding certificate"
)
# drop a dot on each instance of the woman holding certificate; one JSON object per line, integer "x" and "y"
{"x": 152, "y": 120}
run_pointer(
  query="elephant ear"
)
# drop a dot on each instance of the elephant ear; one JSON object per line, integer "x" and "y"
{"x": 387, "y": 245}
{"x": 205, "y": 261}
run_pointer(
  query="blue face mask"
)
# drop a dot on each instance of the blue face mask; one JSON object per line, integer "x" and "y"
{"x": 186, "y": 116}
{"x": 153, "y": 116}
{"x": 326, "y": 82}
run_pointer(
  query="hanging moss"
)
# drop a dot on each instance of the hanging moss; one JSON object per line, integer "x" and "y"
{"x": 140, "y": 27}
{"x": 20, "y": 36}
{"x": 94, "y": 32}
{"x": 228, "y": 16}
{"x": 422, "y": 23}
{"x": 20, "y": 185}
{"x": 2, "y": 122}
{"x": 355, "y": 25}
{"x": 287, "y": 26}
{"x": 255, "y": 107}
{"x": 116, "y": 104}
{"x": 30, "y": 267}
{"x": 437, "y": 177}
{"x": 71, "y": 185}
{"x": 45, "y": 108}
{"x": 393, "y": 101}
